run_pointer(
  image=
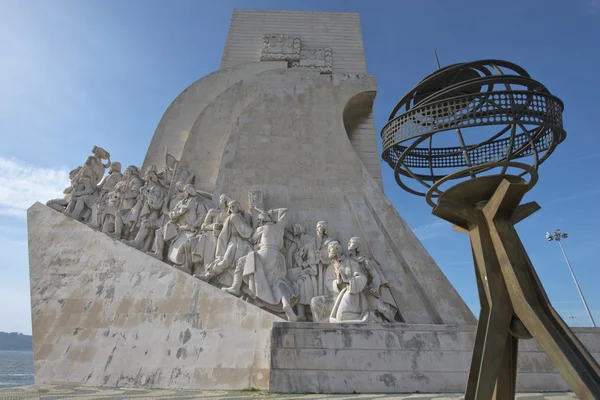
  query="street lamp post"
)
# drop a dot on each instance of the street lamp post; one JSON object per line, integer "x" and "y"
{"x": 558, "y": 236}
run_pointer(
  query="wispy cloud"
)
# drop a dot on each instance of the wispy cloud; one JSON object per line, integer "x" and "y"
{"x": 432, "y": 230}
{"x": 23, "y": 184}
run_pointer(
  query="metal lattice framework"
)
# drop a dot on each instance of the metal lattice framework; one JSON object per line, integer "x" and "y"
{"x": 470, "y": 95}
{"x": 516, "y": 120}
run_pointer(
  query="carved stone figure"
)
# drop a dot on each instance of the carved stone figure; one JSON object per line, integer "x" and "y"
{"x": 60, "y": 205}
{"x": 276, "y": 266}
{"x": 295, "y": 237}
{"x": 380, "y": 297}
{"x": 110, "y": 181}
{"x": 107, "y": 185}
{"x": 177, "y": 194}
{"x": 302, "y": 273}
{"x": 232, "y": 242}
{"x": 93, "y": 167}
{"x": 182, "y": 224}
{"x": 108, "y": 210}
{"x": 83, "y": 197}
{"x": 264, "y": 270}
{"x": 148, "y": 211}
{"x": 203, "y": 247}
{"x": 318, "y": 252}
{"x": 348, "y": 279}
{"x": 127, "y": 191}
{"x": 175, "y": 177}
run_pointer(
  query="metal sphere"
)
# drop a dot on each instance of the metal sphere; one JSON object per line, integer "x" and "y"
{"x": 468, "y": 100}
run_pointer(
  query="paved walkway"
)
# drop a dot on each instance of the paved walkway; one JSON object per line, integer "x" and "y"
{"x": 48, "y": 392}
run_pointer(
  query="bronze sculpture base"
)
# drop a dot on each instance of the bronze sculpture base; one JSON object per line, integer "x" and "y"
{"x": 514, "y": 304}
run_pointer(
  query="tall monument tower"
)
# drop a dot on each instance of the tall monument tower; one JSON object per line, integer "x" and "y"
{"x": 290, "y": 113}
{"x": 277, "y": 152}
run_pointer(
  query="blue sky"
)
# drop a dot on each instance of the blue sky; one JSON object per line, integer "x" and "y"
{"x": 74, "y": 74}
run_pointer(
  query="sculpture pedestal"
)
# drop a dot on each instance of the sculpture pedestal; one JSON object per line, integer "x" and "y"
{"x": 105, "y": 314}
{"x": 396, "y": 358}
{"x": 514, "y": 304}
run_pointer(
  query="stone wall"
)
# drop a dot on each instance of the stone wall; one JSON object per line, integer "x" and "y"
{"x": 339, "y": 31}
{"x": 176, "y": 123}
{"x": 290, "y": 142}
{"x": 345, "y": 358}
{"x": 105, "y": 314}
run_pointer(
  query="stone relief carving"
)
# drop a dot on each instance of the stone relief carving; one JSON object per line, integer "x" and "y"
{"x": 280, "y": 48}
{"x": 289, "y": 48}
{"x": 320, "y": 58}
{"x": 203, "y": 246}
{"x": 147, "y": 214}
{"x": 233, "y": 243}
{"x": 263, "y": 271}
{"x": 258, "y": 255}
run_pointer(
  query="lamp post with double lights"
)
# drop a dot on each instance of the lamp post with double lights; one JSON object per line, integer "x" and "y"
{"x": 558, "y": 236}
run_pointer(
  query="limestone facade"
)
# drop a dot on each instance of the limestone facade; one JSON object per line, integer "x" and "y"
{"x": 104, "y": 314}
{"x": 392, "y": 358}
{"x": 284, "y": 129}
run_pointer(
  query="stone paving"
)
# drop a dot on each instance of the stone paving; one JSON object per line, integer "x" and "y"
{"x": 56, "y": 392}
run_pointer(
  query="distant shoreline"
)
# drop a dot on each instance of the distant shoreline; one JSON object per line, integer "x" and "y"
{"x": 13, "y": 341}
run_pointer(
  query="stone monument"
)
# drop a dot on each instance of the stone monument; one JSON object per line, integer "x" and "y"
{"x": 255, "y": 247}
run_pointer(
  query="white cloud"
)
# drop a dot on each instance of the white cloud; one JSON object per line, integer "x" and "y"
{"x": 23, "y": 184}
{"x": 432, "y": 230}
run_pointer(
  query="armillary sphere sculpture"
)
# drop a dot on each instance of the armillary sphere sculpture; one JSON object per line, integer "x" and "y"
{"x": 478, "y": 186}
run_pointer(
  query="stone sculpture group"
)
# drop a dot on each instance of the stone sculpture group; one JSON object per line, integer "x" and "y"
{"x": 257, "y": 255}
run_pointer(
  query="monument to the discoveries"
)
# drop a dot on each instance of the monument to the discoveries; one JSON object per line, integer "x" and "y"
{"x": 255, "y": 246}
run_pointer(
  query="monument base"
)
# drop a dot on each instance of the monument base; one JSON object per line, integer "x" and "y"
{"x": 105, "y": 314}
{"x": 395, "y": 358}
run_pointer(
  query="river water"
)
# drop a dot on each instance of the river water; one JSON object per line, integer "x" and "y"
{"x": 16, "y": 368}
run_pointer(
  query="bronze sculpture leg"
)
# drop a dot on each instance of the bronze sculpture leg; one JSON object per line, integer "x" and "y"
{"x": 511, "y": 293}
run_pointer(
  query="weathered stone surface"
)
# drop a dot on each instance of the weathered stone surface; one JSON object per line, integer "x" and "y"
{"x": 175, "y": 125}
{"x": 325, "y": 182}
{"x": 308, "y": 142}
{"x": 44, "y": 392}
{"x": 105, "y": 314}
{"x": 346, "y": 358}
